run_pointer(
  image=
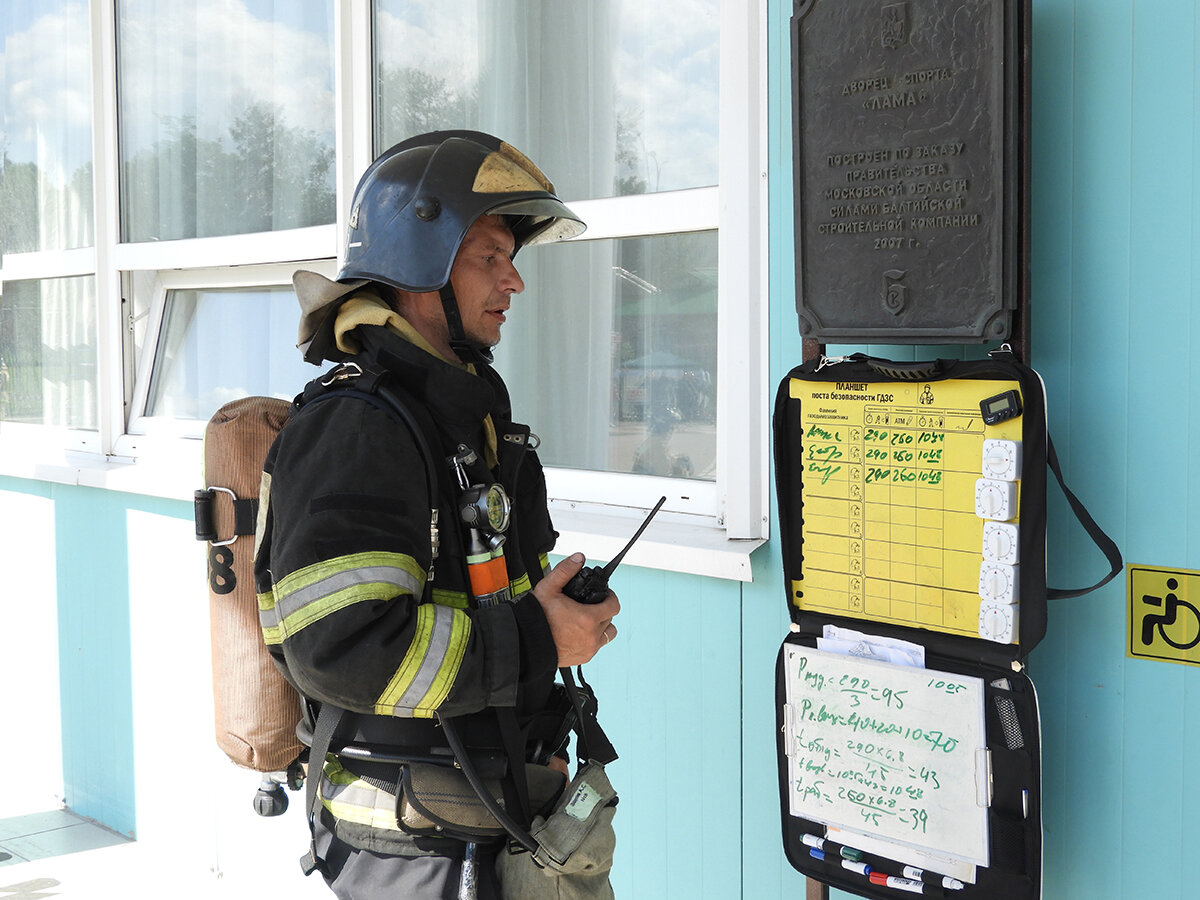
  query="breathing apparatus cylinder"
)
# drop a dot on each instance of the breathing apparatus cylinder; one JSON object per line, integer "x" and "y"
{"x": 488, "y": 572}
{"x": 484, "y": 511}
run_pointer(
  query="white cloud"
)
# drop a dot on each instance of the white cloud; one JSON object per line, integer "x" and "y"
{"x": 211, "y": 60}
{"x": 46, "y": 91}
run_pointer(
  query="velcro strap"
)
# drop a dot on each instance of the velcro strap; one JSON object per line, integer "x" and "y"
{"x": 245, "y": 515}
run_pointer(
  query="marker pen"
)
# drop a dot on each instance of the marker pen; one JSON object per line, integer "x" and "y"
{"x": 900, "y": 884}
{"x": 933, "y": 878}
{"x": 860, "y": 867}
{"x": 853, "y": 865}
{"x": 820, "y": 843}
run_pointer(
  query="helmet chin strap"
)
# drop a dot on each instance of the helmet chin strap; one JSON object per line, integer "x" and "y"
{"x": 466, "y": 350}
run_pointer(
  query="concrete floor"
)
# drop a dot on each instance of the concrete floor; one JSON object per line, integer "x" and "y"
{"x": 42, "y": 835}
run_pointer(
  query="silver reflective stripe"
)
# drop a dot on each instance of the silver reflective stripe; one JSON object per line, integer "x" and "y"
{"x": 359, "y": 802}
{"x": 301, "y": 598}
{"x": 431, "y": 664}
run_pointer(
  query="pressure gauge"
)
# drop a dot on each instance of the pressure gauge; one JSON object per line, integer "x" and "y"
{"x": 998, "y": 582}
{"x": 1000, "y": 542}
{"x": 995, "y": 499}
{"x": 1002, "y": 459}
{"x": 998, "y": 622}
{"x": 486, "y": 507}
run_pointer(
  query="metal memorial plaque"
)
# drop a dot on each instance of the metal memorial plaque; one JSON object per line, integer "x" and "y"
{"x": 909, "y": 143}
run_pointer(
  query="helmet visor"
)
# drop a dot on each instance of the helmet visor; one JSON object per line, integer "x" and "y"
{"x": 539, "y": 220}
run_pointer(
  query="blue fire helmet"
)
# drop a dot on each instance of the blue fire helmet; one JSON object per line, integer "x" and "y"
{"x": 414, "y": 205}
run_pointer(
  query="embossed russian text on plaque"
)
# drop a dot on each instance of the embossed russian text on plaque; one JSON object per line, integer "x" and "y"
{"x": 910, "y": 135}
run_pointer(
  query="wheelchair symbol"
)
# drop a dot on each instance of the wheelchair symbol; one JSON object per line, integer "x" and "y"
{"x": 1169, "y": 616}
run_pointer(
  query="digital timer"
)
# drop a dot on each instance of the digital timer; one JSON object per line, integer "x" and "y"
{"x": 1000, "y": 408}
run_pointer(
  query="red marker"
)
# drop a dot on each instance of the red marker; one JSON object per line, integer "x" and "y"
{"x": 894, "y": 881}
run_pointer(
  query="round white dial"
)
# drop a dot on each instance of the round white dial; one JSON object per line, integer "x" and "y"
{"x": 1000, "y": 542}
{"x": 998, "y": 582}
{"x": 998, "y": 622}
{"x": 995, "y": 499}
{"x": 1002, "y": 459}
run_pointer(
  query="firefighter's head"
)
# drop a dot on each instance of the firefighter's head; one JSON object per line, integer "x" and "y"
{"x": 435, "y": 198}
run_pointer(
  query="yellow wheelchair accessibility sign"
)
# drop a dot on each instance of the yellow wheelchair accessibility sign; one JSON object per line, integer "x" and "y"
{"x": 1164, "y": 621}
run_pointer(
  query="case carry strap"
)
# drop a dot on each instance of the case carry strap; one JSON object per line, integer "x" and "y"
{"x": 1106, "y": 544}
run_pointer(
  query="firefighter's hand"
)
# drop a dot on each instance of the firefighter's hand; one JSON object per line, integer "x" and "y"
{"x": 579, "y": 629}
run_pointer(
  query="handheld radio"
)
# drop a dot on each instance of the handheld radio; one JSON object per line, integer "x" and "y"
{"x": 590, "y": 584}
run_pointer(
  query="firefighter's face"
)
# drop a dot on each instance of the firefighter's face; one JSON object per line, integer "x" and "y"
{"x": 484, "y": 279}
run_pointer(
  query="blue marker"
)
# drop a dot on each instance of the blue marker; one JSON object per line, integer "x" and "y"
{"x": 854, "y": 866}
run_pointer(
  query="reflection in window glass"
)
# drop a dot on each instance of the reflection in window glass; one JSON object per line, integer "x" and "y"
{"x": 610, "y": 97}
{"x": 48, "y": 352}
{"x": 45, "y": 126}
{"x": 225, "y": 117}
{"x": 219, "y": 345}
{"x": 611, "y": 354}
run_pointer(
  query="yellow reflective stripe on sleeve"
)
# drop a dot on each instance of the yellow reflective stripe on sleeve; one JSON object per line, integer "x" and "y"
{"x": 455, "y": 599}
{"x": 309, "y": 594}
{"x": 545, "y": 561}
{"x": 520, "y": 586}
{"x": 272, "y": 633}
{"x": 428, "y": 670}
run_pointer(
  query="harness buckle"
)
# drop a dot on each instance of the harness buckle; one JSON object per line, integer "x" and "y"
{"x": 344, "y": 372}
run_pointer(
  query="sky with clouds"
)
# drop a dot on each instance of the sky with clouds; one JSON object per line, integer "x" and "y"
{"x": 664, "y": 65}
{"x": 211, "y": 59}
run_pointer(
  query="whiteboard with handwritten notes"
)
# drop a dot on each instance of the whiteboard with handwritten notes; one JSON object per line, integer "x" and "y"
{"x": 896, "y": 751}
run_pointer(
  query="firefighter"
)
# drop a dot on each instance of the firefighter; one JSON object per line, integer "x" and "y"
{"x": 357, "y": 610}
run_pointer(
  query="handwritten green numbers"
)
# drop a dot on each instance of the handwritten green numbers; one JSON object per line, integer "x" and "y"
{"x": 889, "y": 750}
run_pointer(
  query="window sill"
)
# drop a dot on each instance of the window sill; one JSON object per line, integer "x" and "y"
{"x": 173, "y": 472}
{"x": 172, "y": 469}
{"x": 671, "y": 543}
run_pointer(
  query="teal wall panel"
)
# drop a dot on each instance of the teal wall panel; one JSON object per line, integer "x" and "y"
{"x": 670, "y": 693}
{"x": 92, "y": 561}
{"x": 94, "y": 654}
{"x": 1115, "y": 224}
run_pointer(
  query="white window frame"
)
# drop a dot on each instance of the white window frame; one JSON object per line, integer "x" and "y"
{"x": 712, "y": 526}
{"x": 164, "y": 282}
{"x": 737, "y": 503}
{"x": 35, "y": 442}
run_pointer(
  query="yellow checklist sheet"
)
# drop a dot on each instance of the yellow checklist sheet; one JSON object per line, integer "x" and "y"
{"x": 889, "y": 474}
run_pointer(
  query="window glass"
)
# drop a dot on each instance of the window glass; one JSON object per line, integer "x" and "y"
{"x": 610, "y": 97}
{"x": 225, "y": 116}
{"x": 626, "y": 332}
{"x": 48, "y": 352}
{"x": 45, "y": 126}
{"x": 218, "y": 345}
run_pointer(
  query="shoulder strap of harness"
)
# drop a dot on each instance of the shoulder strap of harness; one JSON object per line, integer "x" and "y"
{"x": 353, "y": 379}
